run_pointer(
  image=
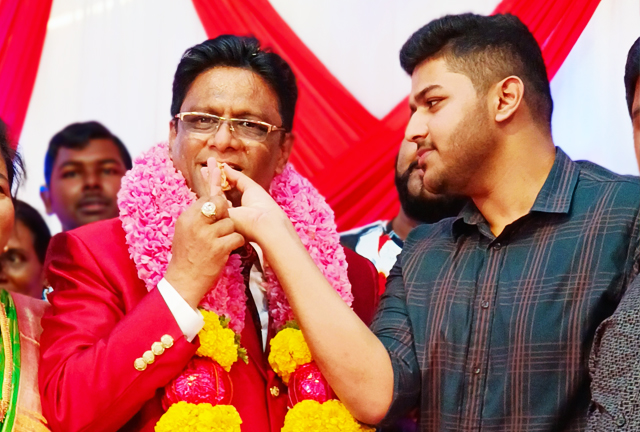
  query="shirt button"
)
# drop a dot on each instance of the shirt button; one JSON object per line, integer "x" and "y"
{"x": 275, "y": 391}
{"x": 167, "y": 341}
{"x": 620, "y": 420}
{"x": 485, "y": 305}
{"x": 157, "y": 348}
{"x": 476, "y": 371}
{"x": 148, "y": 357}
{"x": 497, "y": 246}
{"x": 140, "y": 364}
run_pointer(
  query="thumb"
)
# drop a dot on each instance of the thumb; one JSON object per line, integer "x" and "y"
{"x": 241, "y": 181}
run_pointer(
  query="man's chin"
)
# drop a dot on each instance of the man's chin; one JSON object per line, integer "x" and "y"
{"x": 234, "y": 196}
{"x": 87, "y": 218}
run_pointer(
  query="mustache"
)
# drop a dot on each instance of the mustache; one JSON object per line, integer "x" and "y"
{"x": 93, "y": 198}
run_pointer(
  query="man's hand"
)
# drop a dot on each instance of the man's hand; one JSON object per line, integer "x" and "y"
{"x": 201, "y": 244}
{"x": 259, "y": 218}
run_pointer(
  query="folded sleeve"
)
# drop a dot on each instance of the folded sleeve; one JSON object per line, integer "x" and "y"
{"x": 98, "y": 366}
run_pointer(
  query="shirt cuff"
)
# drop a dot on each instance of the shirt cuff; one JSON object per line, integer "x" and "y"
{"x": 189, "y": 320}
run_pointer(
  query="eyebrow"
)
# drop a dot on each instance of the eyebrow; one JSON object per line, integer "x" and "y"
{"x": 3, "y": 177}
{"x": 636, "y": 112}
{"x": 426, "y": 90}
{"x": 74, "y": 164}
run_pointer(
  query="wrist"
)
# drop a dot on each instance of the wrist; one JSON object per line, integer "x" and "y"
{"x": 184, "y": 287}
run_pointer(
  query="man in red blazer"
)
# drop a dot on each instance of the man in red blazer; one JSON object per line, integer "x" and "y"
{"x": 123, "y": 322}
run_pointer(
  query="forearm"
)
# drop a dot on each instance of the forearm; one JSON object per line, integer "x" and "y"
{"x": 351, "y": 357}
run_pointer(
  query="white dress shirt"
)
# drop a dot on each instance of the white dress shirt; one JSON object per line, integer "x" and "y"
{"x": 191, "y": 321}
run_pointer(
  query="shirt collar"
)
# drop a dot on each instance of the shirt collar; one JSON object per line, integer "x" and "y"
{"x": 554, "y": 197}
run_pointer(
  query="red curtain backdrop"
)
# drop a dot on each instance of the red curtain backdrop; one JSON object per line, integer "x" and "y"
{"x": 23, "y": 26}
{"x": 347, "y": 153}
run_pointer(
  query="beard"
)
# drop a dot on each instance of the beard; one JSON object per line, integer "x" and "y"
{"x": 425, "y": 207}
{"x": 470, "y": 144}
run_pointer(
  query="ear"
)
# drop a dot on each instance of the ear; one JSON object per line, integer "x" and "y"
{"x": 173, "y": 133}
{"x": 285, "y": 151}
{"x": 45, "y": 195}
{"x": 509, "y": 94}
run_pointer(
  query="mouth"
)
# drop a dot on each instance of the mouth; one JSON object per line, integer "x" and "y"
{"x": 422, "y": 159}
{"x": 231, "y": 164}
{"x": 95, "y": 204}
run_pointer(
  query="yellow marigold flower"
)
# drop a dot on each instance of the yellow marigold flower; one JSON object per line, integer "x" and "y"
{"x": 186, "y": 417}
{"x": 331, "y": 416}
{"x": 217, "y": 342}
{"x": 288, "y": 351}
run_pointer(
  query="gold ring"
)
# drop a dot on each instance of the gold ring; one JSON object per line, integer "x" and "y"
{"x": 209, "y": 209}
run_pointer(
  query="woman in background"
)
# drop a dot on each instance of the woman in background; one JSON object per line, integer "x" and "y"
{"x": 22, "y": 259}
{"x": 20, "y": 328}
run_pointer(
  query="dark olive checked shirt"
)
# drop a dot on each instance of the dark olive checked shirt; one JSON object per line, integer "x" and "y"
{"x": 494, "y": 334}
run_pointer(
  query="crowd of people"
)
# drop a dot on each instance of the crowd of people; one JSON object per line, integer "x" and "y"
{"x": 206, "y": 287}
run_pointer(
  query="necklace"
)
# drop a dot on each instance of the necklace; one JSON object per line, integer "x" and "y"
{"x": 152, "y": 196}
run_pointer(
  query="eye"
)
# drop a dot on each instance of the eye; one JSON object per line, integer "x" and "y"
{"x": 110, "y": 171}
{"x": 432, "y": 102}
{"x": 69, "y": 174}
{"x": 249, "y": 125}
{"x": 200, "y": 121}
{"x": 204, "y": 120}
{"x": 13, "y": 256}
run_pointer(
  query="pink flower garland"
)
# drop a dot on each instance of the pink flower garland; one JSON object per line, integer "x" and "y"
{"x": 152, "y": 196}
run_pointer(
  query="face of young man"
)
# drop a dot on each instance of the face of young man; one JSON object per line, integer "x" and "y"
{"x": 635, "y": 118}
{"x": 417, "y": 202}
{"x": 230, "y": 93}
{"x": 450, "y": 126}
{"x": 84, "y": 184}
{"x": 20, "y": 268}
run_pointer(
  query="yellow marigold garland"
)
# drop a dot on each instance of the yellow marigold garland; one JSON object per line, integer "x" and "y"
{"x": 331, "y": 416}
{"x": 187, "y": 417}
{"x": 288, "y": 351}
{"x": 217, "y": 342}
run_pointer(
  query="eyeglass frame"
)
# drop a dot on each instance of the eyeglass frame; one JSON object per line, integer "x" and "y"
{"x": 230, "y": 120}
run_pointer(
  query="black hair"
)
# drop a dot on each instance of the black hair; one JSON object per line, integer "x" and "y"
{"x": 76, "y": 136}
{"x": 241, "y": 52}
{"x": 36, "y": 224}
{"x": 632, "y": 72}
{"x": 487, "y": 49}
{"x": 12, "y": 159}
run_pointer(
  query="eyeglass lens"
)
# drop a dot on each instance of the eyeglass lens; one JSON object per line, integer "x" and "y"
{"x": 242, "y": 128}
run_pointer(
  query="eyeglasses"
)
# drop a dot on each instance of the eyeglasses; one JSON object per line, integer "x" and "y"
{"x": 203, "y": 123}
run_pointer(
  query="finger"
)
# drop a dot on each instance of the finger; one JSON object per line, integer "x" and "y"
{"x": 221, "y": 208}
{"x": 214, "y": 177}
{"x": 222, "y": 228}
{"x": 239, "y": 218}
{"x": 230, "y": 242}
{"x": 240, "y": 180}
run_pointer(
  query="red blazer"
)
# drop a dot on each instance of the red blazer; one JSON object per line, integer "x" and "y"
{"x": 102, "y": 319}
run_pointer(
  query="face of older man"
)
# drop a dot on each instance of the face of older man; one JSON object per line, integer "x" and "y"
{"x": 230, "y": 93}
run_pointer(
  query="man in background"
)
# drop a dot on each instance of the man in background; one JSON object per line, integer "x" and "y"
{"x": 615, "y": 358}
{"x": 82, "y": 170}
{"x": 381, "y": 241}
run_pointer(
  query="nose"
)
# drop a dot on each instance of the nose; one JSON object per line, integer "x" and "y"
{"x": 224, "y": 138}
{"x": 92, "y": 180}
{"x": 417, "y": 129}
